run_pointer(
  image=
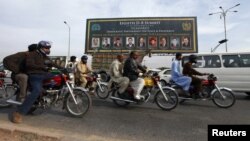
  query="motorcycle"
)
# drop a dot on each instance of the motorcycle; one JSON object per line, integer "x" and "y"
{"x": 57, "y": 90}
{"x": 166, "y": 97}
{"x": 7, "y": 89}
{"x": 221, "y": 96}
{"x": 94, "y": 83}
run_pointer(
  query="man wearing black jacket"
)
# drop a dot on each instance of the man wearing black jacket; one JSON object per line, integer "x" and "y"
{"x": 131, "y": 70}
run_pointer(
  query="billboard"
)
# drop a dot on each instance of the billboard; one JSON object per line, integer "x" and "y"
{"x": 160, "y": 35}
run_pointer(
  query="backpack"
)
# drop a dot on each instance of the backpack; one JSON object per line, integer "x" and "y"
{"x": 15, "y": 62}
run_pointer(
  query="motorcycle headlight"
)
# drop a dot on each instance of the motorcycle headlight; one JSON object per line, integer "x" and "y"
{"x": 71, "y": 76}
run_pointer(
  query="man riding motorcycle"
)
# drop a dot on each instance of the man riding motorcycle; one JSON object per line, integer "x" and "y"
{"x": 37, "y": 72}
{"x": 82, "y": 71}
{"x": 189, "y": 71}
{"x": 132, "y": 70}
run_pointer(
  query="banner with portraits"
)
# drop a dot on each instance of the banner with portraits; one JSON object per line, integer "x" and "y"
{"x": 160, "y": 35}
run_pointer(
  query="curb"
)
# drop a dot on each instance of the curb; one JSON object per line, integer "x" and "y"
{"x": 8, "y": 133}
{"x": 20, "y": 132}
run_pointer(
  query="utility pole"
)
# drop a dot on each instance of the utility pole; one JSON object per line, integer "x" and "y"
{"x": 68, "y": 41}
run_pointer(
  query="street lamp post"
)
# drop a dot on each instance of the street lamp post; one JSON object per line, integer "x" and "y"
{"x": 69, "y": 41}
{"x": 223, "y": 13}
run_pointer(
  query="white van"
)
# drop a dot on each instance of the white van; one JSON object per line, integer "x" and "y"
{"x": 232, "y": 69}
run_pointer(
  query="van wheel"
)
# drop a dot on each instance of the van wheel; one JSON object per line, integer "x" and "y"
{"x": 248, "y": 93}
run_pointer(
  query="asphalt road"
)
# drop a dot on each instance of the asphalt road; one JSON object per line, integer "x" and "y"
{"x": 147, "y": 122}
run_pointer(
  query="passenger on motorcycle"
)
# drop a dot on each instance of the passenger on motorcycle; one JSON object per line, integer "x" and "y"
{"x": 177, "y": 76}
{"x": 189, "y": 71}
{"x": 72, "y": 64}
{"x": 36, "y": 70}
{"x": 71, "y": 67}
{"x": 20, "y": 77}
{"x": 116, "y": 70}
{"x": 132, "y": 69}
{"x": 82, "y": 71}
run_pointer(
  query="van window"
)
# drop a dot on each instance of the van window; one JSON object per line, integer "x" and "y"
{"x": 212, "y": 61}
{"x": 231, "y": 61}
{"x": 245, "y": 60}
{"x": 208, "y": 61}
{"x": 185, "y": 59}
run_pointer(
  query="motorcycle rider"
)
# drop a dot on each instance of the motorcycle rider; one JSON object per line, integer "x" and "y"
{"x": 36, "y": 70}
{"x": 71, "y": 66}
{"x": 132, "y": 69}
{"x": 188, "y": 70}
{"x": 177, "y": 76}
{"x": 116, "y": 70}
{"x": 82, "y": 71}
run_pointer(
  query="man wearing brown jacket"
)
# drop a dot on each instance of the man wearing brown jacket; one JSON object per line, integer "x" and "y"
{"x": 16, "y": 63}
{"x": 189, "y": 71}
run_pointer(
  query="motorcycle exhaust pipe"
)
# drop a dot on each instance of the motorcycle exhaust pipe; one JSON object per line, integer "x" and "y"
{"x": 13, "y": 102}
{"x": 116, "y": 98}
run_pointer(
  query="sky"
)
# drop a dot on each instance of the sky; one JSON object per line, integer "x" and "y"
{"x": 23, "y": 22}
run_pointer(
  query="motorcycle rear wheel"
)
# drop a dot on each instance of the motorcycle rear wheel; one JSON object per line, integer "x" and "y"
{"x": 225, "y": 102}
{"x": 164, "y": 104}
{"x": 5, "y": 94}
{"x": 119, "y": 103}
{"x": 83, "y": 105}
{"x": 102, "y": 94}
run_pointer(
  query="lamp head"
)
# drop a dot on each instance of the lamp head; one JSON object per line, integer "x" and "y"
{"x": 223, "y": 41}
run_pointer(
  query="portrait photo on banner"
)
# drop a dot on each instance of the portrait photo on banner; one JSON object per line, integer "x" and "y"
{"x": 106, "y": 43}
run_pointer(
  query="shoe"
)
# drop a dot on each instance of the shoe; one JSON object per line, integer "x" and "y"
{"x": 120, "y": 95}
{"x": 197, "y": 96}
{"x": 142, "y": 97}
{"x": 16, "y": 117}
{"x": 91, "y": 89}
{"x": 185, "y": 94}
{"x": 20, "y": 100}
{"x": 137, "y": 97}
{"x": 91, "y": 92}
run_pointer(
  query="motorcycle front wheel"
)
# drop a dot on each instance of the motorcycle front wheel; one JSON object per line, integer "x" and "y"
{"x": 166, "y": 104}
{"x": 102, "y": 92}
{"x": 224, "y": 100}
{"x": 82, "y": 105}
